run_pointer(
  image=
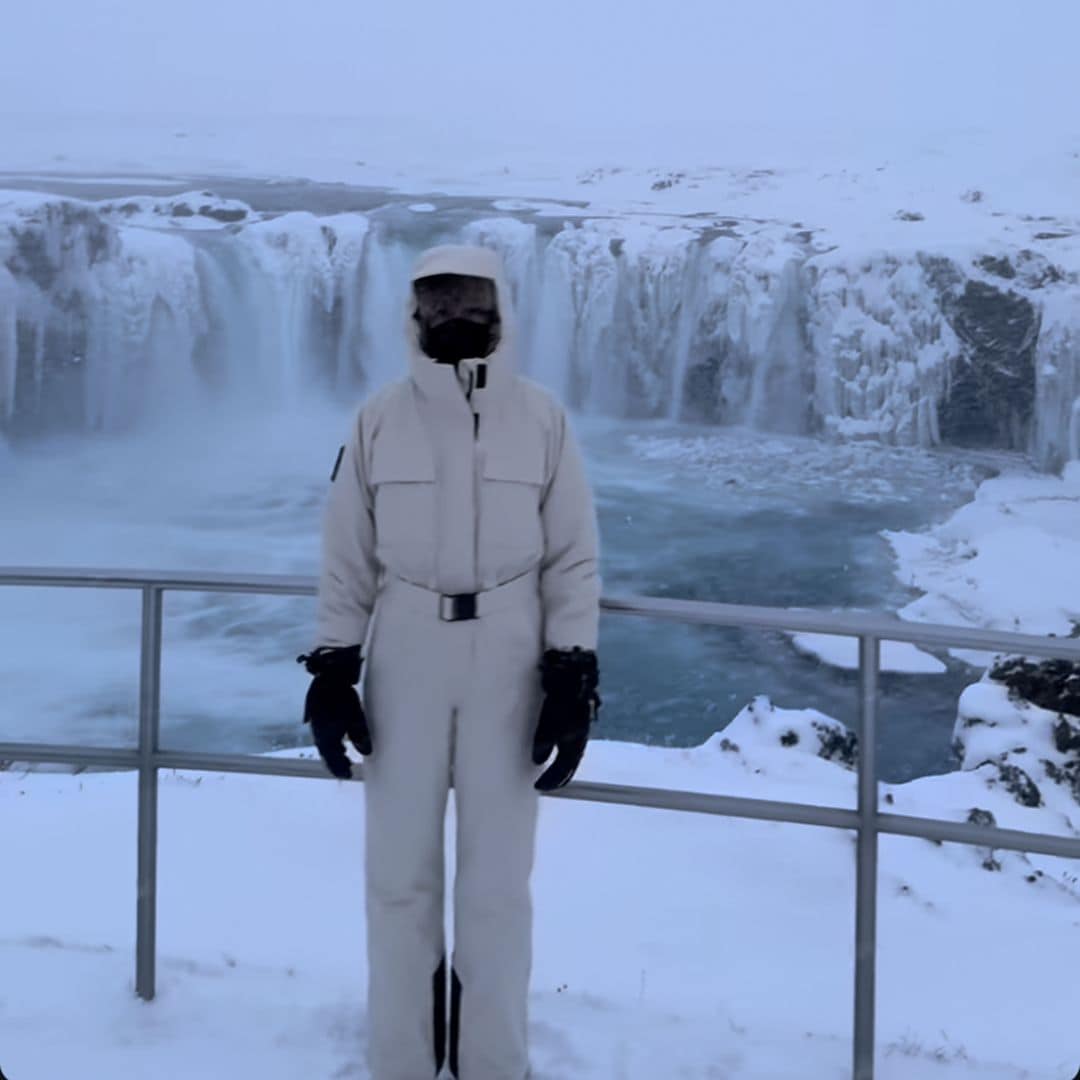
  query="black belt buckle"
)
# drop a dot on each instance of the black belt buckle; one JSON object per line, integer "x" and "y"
{"x": 457, "y": 608}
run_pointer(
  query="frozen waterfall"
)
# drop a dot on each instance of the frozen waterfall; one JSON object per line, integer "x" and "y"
{"x": 113, "y": 314}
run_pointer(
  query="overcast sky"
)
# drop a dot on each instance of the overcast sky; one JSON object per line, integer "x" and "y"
{"x": 663, "y": 68}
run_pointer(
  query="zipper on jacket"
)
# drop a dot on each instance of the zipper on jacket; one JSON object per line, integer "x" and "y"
{"x": 477, "y": 491}
{"x": 476, "y": 476}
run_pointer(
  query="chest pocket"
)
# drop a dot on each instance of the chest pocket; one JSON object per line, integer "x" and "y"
{"x": 511, "y": 539}
{"x": 406, "y": 533}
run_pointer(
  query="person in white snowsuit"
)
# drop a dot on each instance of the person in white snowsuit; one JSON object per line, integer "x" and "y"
{"x": 460, "y": 563}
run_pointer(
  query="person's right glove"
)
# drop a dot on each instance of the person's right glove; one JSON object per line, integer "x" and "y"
{"x": 569, "y": 678}
{"x": 332, "y": 706}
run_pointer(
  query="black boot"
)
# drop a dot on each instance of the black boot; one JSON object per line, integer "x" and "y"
{"x": 438, "y": 998}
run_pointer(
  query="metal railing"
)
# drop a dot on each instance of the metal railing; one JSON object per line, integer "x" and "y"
{"x": 866, "y": 820}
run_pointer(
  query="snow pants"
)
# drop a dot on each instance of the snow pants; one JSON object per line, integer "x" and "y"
{"x": 451, "y": 703}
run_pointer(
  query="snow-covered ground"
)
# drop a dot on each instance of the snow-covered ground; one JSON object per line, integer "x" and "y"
{"x": 1008, "y": 560}
{"x": 945, "y": 187}
{"x": 843, "y": 653}
{"x": 667, "y": 945}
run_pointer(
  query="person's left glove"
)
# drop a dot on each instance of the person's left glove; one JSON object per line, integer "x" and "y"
{"x": 332, "y": 706}
{"x": 569, "y": 678}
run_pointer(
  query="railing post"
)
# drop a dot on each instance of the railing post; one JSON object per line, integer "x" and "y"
{"x": 866, "y": 864}
{"x": 149, "y": 730}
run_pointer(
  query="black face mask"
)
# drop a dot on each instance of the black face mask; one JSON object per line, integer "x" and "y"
{"x": 454, "y": 340}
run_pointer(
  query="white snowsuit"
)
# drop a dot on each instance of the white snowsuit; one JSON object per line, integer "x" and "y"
{"x": 443, "y": 491}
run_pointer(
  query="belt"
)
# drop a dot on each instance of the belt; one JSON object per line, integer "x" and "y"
{"x": 462, "y": 607}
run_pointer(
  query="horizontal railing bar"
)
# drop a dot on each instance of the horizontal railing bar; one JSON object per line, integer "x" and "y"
{"x": 645, "y": 797}
{"x": 171, "y": 580}
{"x": 311, "y": 769}
{"x": 700, "y": 802}
{"x": 105, "y": 757}
{"x": 931, "y": 829}
{"x": 957, "y": 832}
{"x": 252, "y": 764}
{"x": 885, "y": 627}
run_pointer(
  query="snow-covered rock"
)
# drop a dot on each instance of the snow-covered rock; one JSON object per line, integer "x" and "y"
{"x": 762, "y": 725}
{"x": 191, "y": 210}
{"x": 1011, "y": 740}
{"x": 1006, "y": 561}
{"x": 1050, "y": 684}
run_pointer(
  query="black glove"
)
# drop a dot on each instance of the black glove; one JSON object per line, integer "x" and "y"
{"x": 569, "y": 678}
{"x": 332, "y": 706}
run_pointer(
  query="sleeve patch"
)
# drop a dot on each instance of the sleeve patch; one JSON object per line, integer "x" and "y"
{"x": 337, "y": 464}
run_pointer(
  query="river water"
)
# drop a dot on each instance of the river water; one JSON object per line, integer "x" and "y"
{"x": 731, "y": 515}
